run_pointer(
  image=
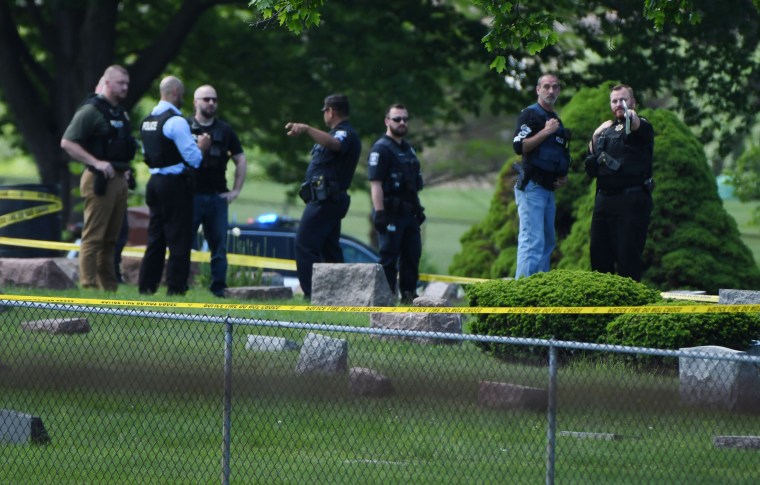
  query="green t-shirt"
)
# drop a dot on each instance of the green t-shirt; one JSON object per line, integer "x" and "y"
{"x": 87, "y": 122}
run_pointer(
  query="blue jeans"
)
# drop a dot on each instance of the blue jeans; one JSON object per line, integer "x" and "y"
{"x": 535, "y": 243}
{"x": 211, "y": 210}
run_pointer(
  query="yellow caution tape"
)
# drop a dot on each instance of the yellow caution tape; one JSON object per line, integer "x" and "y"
{"x": 686, "y": 309}
{"x": 52, "y": 204}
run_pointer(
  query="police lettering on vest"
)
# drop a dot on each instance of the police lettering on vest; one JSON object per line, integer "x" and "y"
{"x": 119, "y": 145}
{"x": 160, "y": 151}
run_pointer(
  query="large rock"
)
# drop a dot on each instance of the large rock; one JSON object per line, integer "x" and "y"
{"x": 502, "y": 395}
{"x": 738, "y": 297}
{"x": 260, "y": 292}
{"x": 34, "y": 273}
{"x": 70, "y": 266}
{"x": 368, "y": 383}
{"x": 421, "y": 322}
{"x": 322, "y": 355}
{"x": 724, "y": 384}
{"x": 358, "y": 284}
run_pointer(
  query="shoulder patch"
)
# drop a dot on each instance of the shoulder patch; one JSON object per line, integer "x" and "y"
{"x": 341, "y": 134}
{"x": 524, "y": 132}
{"x": 373, "y": 158}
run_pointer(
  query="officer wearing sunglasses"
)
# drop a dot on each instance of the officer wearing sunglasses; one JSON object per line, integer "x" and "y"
{"x": 395, "y": 179}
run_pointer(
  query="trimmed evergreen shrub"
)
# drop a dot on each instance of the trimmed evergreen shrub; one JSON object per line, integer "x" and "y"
{"x": 692, "y": 243}
{"x": 556, "y": 288}
{"x": 680, "y": 330}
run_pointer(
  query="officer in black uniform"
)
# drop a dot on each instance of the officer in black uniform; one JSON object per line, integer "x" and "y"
{"x": 395, "y": 180}
{"x": 212, "y": 198}
{"x": 620, "y": 157}
{"x": 328, "y": 178}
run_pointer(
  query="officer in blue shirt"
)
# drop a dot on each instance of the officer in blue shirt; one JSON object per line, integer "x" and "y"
{"x": 172, "y": 155}
{"x": 333, "y": 162}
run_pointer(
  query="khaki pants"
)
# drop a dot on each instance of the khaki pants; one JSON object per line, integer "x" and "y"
{"x": 103, "y": 216}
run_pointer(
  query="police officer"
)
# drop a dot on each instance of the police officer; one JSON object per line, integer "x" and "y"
{"x": 212, "y": 197}
{"x": 100, "y": 136}
{"x": 620, "y": 157}
{"x": 328, "y": 178}
{"x": 172, "y": 155}
{"x": 395, "y": 180}
{"x": 543, "y": 143}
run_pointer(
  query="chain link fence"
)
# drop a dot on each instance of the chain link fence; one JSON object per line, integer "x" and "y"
{"x": 103, "y": 395}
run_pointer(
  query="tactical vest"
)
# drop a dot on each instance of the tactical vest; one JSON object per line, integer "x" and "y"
{"x": 118, "y": 145}
{"x": 404, "y": 175}
{"x": 552, "y": 155}
{"x": 635, "y": 159}
{"x": 211, "y": 176}
{"x": 160, "y": 151}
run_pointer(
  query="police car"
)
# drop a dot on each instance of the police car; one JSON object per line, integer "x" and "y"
{"x": 274, "y": 236}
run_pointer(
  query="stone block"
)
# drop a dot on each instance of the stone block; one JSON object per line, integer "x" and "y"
{"x": 58, "y": 325}
{"x": 260, "y": 292}
{"x": 356, "y": 284}
{"x": 448, "y": 292}
{"x": 738, "y": 297}
{"x": 369, "y": 383}
{"x": 422, "y": 322}
{"x": 502, "y": 395}
{"x": 322, "y": 355}
{"x": 34, "y": 273}
{"x": 19, "y": 428}
{"x": 738, "y": 442}
{"x": 265, "y": 343}
{"x": 723, "y": 384}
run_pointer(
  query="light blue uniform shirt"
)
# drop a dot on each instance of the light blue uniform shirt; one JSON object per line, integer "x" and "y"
{"x": 177, "y": 129}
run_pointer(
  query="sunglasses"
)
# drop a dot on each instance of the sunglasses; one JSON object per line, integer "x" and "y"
{"x": 208, "y": 99}
{"x": 399, "y": 119}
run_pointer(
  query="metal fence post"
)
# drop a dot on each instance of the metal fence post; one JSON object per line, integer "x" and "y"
{"x": 227, "y": 401}
{"x": 551, "y": 438}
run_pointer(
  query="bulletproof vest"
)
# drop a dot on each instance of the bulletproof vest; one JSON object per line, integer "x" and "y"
{"x": 635, "y": 159}
{"x": 160, "y": 151}
{"x": 552, "y": 155}
{"x": 404, "y": 171}
{"x": 335, "y": 167}
{"x": 217, "y": 155}
{"x": 118, "y": 145}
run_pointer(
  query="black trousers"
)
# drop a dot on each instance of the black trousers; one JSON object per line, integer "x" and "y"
{"x": 400, "y": 252}
{"x": 170, "y": 200}
{"x": 619, "y": 232}
{"x": 318, "y": 237}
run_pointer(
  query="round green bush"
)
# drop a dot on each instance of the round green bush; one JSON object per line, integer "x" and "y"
{"x": 559, "y": 288}
{"x": 681, "y": 330}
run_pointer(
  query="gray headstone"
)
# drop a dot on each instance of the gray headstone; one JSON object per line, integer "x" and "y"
{"x": 423, "y": 322}
{"x": 738, "y": 297}
{"x": 34, "y": 273}
{"x": 368, "y": 383}
{"x": 322, "y": 355}
{"x": 585, "y": 435}
{"x": 358, "y": 284}
{"x": 739, "y": 442}
{"x": 260, "y": 292}
{"x": 19, "y": 428}
{"x": 502, "y": 395}
{"x": 58, "y": 325}
{"x": 724, "y": 384}
{"x": 265, "y": 343}
{"x": 441, "y": 290}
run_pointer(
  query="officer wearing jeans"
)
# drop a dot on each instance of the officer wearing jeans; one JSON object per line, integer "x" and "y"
{"x": 333, "y": 162}
{"x": 543, "y": 143}
{"x": 620, "y": 157}
{"x": 212, "y": 198}
{"x": 172, "y": 155}
{"x": 395, "y": 180}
